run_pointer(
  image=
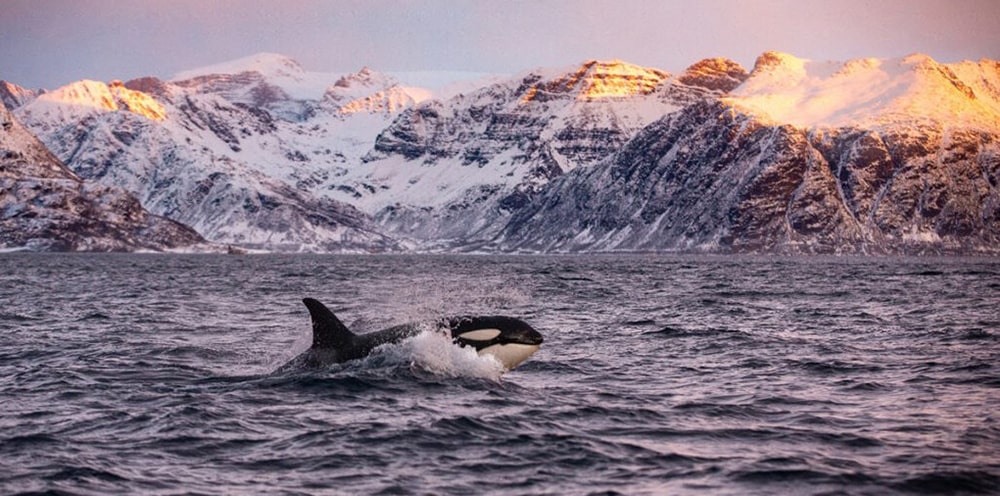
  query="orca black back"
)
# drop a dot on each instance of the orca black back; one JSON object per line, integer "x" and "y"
{"x": 509, "y": 340}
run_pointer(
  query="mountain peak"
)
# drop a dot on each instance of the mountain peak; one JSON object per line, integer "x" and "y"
{"x": 788, "y": 90}
{"x": 387, "y": 101}
{"x": 598, "y": 80}
{"x": 110, "y": 97}
{"x": 149, "y": 85}
{"x": 369, "y": 91}
{"x": 719, "y": 74}
{"x": 270, "y": 65}
{"x": 919, "y": 60}
{"x": 366, "y": 78}
{"x": 773, "y": 61}
{"x": 13, "y": 96}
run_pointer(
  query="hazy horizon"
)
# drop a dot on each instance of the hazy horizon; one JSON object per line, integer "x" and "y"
{"x": 53, "y": 43}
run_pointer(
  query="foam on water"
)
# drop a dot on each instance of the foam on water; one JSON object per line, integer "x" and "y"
{"x": 429, "y": 352}
{"x": 434, "y": 352}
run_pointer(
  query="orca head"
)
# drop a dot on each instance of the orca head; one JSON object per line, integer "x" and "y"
{"x": 509, "y": 340}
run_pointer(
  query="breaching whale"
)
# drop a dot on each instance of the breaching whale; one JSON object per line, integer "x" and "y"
{"x": 509, "y": 340}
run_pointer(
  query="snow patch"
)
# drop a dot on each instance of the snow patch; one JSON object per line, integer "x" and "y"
{"x": 867, "y": 92}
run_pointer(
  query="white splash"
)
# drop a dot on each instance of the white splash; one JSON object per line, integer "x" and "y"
{"x": 434, "y": 352}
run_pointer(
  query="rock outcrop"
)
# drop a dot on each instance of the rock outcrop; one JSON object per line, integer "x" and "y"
{"x": 46, "y": 207}
{"x": 916, "y": 174}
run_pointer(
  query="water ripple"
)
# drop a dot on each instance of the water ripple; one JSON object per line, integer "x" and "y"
{"x": 659, "y": 375}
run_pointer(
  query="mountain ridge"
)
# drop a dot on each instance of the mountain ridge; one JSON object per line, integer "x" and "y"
{"x": 250, "y": 157}
{"x": 45, "y": 206}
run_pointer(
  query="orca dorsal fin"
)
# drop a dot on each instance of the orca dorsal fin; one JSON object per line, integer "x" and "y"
{"x": 328, "y": 330}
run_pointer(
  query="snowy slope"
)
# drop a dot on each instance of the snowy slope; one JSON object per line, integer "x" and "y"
{"x": 230, "y": 170}
{"x": 13, "y": 96}
{"x": 246, "y": 151}
{"x": 277, "y": 70}
{"x": 870, "y": 92}
{"x": 456, "y": 169}
{"x": 869, "y": 156}
{"x": 45, "y": 206}
{"x": 83, "y": 98}
{"x": 300, "y": 84}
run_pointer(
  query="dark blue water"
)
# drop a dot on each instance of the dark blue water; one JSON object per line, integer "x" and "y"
{"x": 659, "y": 375}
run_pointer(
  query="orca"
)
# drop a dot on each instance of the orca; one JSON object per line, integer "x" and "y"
{"x": 509, "y": 340}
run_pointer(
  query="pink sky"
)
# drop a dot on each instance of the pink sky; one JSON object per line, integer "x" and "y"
{"x": 53, "y": 42}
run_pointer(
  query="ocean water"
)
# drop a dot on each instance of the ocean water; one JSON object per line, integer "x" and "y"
{"x": 155, "y": 374}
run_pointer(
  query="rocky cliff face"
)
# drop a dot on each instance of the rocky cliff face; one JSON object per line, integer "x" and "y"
{"x": 550, "y": 119}
{"x": 718, "y": 74}
{"x": 488, "y": 152}
{"x": 727, "y": 176}
{"x": 45, "y": 206}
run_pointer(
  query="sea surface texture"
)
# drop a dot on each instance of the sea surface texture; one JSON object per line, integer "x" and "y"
{"x": 156, "y": 374}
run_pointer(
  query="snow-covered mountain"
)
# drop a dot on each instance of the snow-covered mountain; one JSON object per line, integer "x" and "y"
{"x": 13, "y": 96}
{"x": 451, "y": 172}
{"x": 45, "y": 206}
{"x": 870, "y": 93}
{"x": 290, "y": 92}
{"x": 232, "y": 170}
{"x": 248, "y": 152}
{"x": 865, "y": 156}
{"x": 869, "y": 156}
{"x": 252, "y": 153}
